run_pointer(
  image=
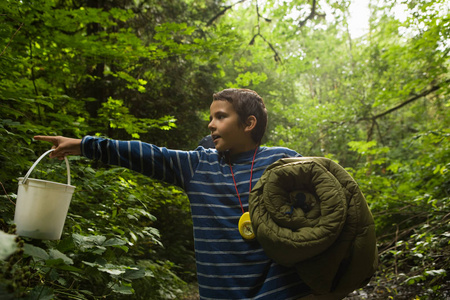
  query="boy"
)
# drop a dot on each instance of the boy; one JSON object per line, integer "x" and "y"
{"x": 230, "y": 264}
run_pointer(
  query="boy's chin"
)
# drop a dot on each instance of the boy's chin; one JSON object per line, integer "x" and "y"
{"x": 221, "y": 149}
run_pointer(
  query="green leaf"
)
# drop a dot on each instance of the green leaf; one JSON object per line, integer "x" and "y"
{"x": 361, "y": 147}
{"x": 107, "y": 268}
{"x": 414, "y": 279}
{"x": 440, "y": 272}
{"x": 36, "y": 252}
{"x": 60, "y": 265}
{"x": 41, "y": 293}
{"x": 86, "y": 242}
{"x": 112, "y": 269}
{"x": 123, "y": 289}
{"x": 66, "y": 245}
{"x": 114, "y": 242}
{"x": 56, "y": 254}
{"x": 134, "y": 274}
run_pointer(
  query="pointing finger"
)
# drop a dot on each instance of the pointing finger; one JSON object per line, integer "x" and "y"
{"x": 51, "y": 139}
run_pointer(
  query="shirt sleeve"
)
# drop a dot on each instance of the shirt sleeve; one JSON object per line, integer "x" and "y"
{"x": 172, "y": 166}
{"x": 291, "y": 153}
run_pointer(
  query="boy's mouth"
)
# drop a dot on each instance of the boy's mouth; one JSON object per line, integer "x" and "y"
{"x": 215, "y": 137}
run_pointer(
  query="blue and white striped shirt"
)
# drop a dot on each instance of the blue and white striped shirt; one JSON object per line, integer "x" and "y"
{"x": 228, "y": 267}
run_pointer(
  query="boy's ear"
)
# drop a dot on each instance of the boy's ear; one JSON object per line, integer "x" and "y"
{"x": 251, "y": 123}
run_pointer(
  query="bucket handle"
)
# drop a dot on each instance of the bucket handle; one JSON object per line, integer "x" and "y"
{"x": 39, "y": 159}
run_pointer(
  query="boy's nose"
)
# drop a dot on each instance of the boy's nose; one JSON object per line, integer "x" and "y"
{"x": 211, "y": 126}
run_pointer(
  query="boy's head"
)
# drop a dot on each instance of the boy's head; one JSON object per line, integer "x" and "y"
{"x": 247, "y": 103}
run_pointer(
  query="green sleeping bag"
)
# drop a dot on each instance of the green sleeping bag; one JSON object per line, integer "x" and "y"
{"x": 309, "y": 213}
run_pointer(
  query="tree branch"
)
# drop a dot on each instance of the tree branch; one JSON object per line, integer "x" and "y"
{"x": 252, "y": 41}
{"x": 222, "y": 12}
{"x": 276, "y": 56}
{"x": 412, "y": 99}
{"x": 311, "y": 15}
{"x": 10, "y": 40}
{"x": 374, "y": 118}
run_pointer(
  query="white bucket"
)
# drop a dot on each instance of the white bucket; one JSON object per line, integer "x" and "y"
{"x": 41, "y": 206}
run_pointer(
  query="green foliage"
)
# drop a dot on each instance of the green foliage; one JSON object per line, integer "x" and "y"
{"x": 118, "y": 116}
{"x": 97, "y": 255}
{"x": 62, "y": 67}
{"x": 410, "y": 202}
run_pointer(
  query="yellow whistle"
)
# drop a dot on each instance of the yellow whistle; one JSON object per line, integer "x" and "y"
{"x": 245, "y": 227}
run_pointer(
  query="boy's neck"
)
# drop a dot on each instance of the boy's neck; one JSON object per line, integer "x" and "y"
{"x": 231, "y": 157}
{"x": 245, "y": 149}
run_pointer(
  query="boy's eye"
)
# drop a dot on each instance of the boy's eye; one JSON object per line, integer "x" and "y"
{"x": 217, "y": 117}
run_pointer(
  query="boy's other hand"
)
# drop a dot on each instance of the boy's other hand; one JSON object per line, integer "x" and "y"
{"x": 63, "y": 146}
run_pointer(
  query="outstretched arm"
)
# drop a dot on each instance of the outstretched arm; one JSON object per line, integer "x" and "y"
{"x": 172, "y": 166}
{"x": 63, "y": 146}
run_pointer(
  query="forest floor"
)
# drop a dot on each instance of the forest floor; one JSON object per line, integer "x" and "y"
{"x": 376, "y": 290}
{"x": 382, "y": 288}
{"x": 192, "y": 292}
{"x": 398, "y": 292}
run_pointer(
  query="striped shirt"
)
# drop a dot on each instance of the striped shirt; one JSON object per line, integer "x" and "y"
{"x": 228, "y": 267}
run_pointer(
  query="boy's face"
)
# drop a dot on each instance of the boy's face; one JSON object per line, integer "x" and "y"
{"x": 227, "y": 131}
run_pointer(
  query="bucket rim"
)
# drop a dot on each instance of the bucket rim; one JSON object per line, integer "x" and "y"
{"x": 44, "y": 181}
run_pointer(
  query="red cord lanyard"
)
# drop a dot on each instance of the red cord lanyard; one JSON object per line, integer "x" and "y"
{"x": 251, "y": 175}
{"x": 244, "y": 225}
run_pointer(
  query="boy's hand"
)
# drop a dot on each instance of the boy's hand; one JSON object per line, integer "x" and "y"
{"x": 63, "y": 146}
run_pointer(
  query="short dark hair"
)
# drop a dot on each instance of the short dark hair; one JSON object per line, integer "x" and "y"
{"x": 247, "y": 103}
